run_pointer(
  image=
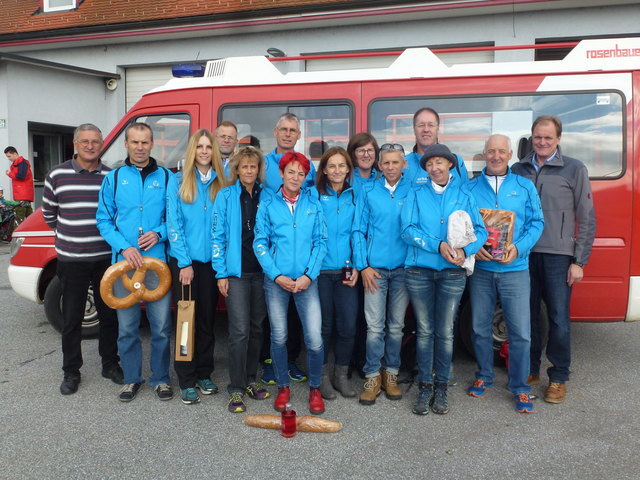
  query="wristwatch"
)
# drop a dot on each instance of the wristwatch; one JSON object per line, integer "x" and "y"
{"x": 581, "y": 265}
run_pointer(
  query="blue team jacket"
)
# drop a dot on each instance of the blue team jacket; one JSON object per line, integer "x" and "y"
{"x": 375, "y": 237}
{"x": 425, "y": 220}
{"x": 290, "y": 244}
{"x": 189, "y": 224}
{"x": 226, "y": 254}
{"x": 357, "y": 182}
{"x": 517, "y": 194}
{"x": 130, "y": 206}
{"x": 338, "y": 214}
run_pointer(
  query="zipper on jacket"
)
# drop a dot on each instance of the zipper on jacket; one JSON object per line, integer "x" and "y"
{"x": 562, "y": 225}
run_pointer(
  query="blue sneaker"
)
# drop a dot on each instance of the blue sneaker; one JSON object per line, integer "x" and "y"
{"x": 479, "y": 388}
{"x": 295, "y": 374}
{"x": 206, "y": 386}
{"x": 524, "y": 403}
{"x": 189, "y": 396}
{"x": 268, "y": 375}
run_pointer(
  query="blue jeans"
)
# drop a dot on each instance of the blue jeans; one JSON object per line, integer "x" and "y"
{"x": 129, "y": 345}
{"x": 435, "y": 296}
{"x": 308, "y": 307}
{"x": 513, "y": 290}
{"x": 339, "y": 304}
{"x": 385, "y": 321}
{"x": 549, "y": 283}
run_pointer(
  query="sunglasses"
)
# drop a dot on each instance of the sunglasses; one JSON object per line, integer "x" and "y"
{"x": 392, "y": 147}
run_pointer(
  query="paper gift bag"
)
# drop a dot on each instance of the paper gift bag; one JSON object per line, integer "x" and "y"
{"x": 499, "y": 224}
{"x": 185, "y": 328}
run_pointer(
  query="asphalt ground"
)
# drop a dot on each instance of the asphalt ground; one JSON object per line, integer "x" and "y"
{"x": 91, "y": 435}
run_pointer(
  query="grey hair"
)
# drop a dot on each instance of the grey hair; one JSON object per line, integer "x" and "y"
{"x": 85, "y": 127}
{"x": 288, "y": 116}
{"x": 497, "y": 135}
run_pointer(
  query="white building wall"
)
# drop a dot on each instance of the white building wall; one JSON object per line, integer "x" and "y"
{"x": 35, "y": 94}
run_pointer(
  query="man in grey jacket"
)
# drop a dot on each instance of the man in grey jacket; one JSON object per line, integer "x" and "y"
{"x": 558, "y": 258}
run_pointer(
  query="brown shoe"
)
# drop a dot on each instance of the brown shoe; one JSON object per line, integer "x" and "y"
{"x": 533, "y": 379}
{"x": 555, "y": 392}
{"x": 390, "y": 386}
{"x": 371, "y": 390}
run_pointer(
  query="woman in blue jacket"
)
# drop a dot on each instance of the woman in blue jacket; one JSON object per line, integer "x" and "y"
{"x": 434, "y": 275}
{"x": 290, "y": 243}
{"x": 239, "y": 273}
{"x": 338, "y": 297}
{"x": 190, "y": 197}
{"x": 363, "y": 150}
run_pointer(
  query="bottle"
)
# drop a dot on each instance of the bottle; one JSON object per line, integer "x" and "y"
{"x": 288, "y": 422}
{"x": 346, "y": 271}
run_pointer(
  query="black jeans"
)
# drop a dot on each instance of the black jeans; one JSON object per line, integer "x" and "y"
{"x": 246, "y": 310}
{"x": 76, "y": 278}
{"x": 204, "y": 290}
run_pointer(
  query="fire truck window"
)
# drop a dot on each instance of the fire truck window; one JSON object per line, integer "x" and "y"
{"x": 321, "y": 126}
{"x": 170, "y": 138}
{"x": 593, "y": 126}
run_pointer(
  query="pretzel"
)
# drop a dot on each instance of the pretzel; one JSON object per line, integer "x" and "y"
{"x": 134, "y": 284}
{"x": 306, "y": 423}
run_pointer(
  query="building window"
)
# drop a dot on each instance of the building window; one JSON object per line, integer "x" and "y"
{"x": 59, "y": 5}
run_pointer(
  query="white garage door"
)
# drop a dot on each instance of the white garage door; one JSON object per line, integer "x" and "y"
{"x": 139, "y": 80}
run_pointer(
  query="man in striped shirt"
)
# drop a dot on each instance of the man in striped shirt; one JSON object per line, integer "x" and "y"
{"x": 69, "y": 204}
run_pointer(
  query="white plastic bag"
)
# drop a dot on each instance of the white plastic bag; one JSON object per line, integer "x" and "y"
{"x": 460, "y": 234}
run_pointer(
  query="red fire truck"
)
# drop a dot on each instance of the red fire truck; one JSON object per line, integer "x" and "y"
{"x": 595, "y": 90}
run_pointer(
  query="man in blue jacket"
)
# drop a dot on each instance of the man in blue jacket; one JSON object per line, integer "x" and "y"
{"x": 504, "y": 273}
{"x": 287, "y": 133}
{"x": 379, "y": 254}
{"x": 131, "y": 218}
{"x": 426, "y": 123}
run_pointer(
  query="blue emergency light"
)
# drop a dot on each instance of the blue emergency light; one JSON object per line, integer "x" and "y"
{"x": 188, "y": 70}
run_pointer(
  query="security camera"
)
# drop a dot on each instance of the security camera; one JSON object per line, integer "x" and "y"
{"x": 111, "y": 83}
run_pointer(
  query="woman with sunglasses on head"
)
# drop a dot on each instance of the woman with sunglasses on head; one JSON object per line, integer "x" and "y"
{"x": 290, "y": 243}
{"x": 363, "y": 150}
{"x": 190, "y": 197}
{"x": 379, "y": 254}
{"x": 338, "y": 297}
{"x": 434, "y": 275}
{"x": 239, "y": 273}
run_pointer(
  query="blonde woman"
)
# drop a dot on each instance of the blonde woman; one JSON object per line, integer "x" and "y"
{"x": 190, "y": 198}
{"x": 239, "y": 273}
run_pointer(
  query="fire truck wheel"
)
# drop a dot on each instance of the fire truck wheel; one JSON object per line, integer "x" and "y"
{"x": 53, "y": 309}
{"x": 499, "y": 329}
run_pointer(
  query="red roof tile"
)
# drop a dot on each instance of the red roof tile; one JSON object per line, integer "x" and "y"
{"x": 25, "y": 16}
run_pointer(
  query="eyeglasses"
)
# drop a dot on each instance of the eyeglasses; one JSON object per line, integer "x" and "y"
{"x": 361, "y": 151}
{"x": 392, "y": 147}
{"x": 428, "y": 125}
{"x": 285, "y": 130}
{"x": 86, "y": 143}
